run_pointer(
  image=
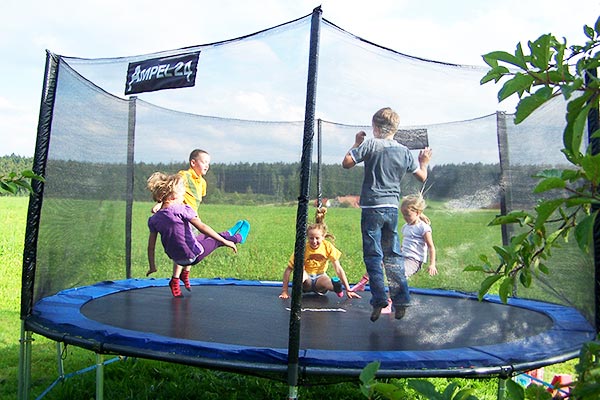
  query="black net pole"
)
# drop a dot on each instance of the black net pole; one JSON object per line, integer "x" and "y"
{"x": 594, "y": 143}
{"x": 505, "y": 178}
{"x": 39, "y": 167}
{"x": 319, "y": 163}
{"x": 130, "y": 178}
{"x": 303, "y": 201}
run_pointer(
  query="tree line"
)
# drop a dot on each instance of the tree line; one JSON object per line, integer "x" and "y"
{"x": 248, "y": 182}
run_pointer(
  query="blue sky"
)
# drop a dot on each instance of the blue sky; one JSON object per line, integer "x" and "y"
{"x": 457, "y": 32}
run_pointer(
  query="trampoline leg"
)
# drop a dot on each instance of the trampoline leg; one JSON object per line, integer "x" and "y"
{"x": 293, "y": 393}
{"x": 501, "y": 388}
{"x": 99, "y": 376}
{"x": 59, "y": 361}
{"x": 24, "y": 363}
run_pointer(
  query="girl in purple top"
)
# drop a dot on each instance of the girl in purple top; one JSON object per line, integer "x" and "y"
{"x": 174, "y": 222}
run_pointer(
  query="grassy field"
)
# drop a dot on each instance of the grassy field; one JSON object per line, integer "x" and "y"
{"x": 264, "y": 256}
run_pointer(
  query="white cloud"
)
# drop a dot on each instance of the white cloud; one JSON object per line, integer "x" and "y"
{"x": 6, "y": 105}
{"x": 457, "y": 32}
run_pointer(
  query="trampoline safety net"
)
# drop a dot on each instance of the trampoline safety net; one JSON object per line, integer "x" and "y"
{"x": 246, "y": 109}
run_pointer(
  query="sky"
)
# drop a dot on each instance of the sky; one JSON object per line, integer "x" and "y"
{"x": 457, "y": 31}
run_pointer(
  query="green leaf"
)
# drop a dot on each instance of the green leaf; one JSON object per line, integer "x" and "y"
{"x": 518, "y": 84}
{"x": 8, "y": 187}
{"x": 554, "y": 77}
{"x": 577, "y": 201}
{"x": 495, "y": 74}
{"x": 527, "y": 105}
{"x": 571, "y": 175}
{"x": 525, "y": 278}
{"x": 519, "y": 239}
{"x": 492, "y": 62}
{"x": 506, "y": 57}
{"x": 388, "y": 390}
{"x": 591, "y": 167}
{"x": 425, "y": 388}
{"x": 537, "y": 392}
{"x": 545, "y": 209}
{"x": 367, "y": 375}
{"x": 32, "y": 175}
{"x": 487, "y": 284}
{"x": 549, "y": 173}
{"x": 515, "y": 391}
{"x": 554, "y": 235}
{"x": 24, "y": 184}
{"x": 503, "y": 253}
{"x": 449, "y": 391}
{"x": 510, "y": 218}
{"x": 577, "y": 112}
{"x": 541, "y": 51}
{"x": 474, "y": 268}
{"x": 549, "y": 184}
{"x": 505, "y": 289}
{"x": 465, "y": 394}
{"x": 589, "y": 32}
{"x": 568, "y": 89}
{"x": 584, "y": 231}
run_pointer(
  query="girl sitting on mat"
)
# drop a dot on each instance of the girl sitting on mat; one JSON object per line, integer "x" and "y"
{"x": 174, "y": 221}
{"x": 316, "y": 256}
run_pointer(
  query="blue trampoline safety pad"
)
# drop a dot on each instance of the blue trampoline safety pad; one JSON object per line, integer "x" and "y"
{"x": 236, "y": 321}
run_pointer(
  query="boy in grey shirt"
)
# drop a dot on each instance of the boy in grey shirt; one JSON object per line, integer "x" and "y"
{"x": 386, "y": 163}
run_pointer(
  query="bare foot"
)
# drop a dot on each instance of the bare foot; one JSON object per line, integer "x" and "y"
{"x": 150, "y": 271}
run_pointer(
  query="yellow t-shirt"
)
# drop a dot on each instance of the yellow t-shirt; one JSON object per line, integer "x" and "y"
{"x": 315, "y": 260}
{"x": 195, "y": 188}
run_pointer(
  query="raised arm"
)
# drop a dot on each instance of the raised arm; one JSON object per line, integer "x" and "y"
{"x": 424, "y": 158}
{"x": 348, "y": 161}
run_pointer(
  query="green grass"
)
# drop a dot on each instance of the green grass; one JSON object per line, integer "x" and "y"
{"x": 460, "y": 237}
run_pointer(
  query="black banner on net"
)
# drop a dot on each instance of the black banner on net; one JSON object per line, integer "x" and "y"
{"x": 162, "y": 73}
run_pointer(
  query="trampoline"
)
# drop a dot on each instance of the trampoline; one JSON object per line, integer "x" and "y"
{"x": 243, "y": 326}
{"x": 89, "y": 134}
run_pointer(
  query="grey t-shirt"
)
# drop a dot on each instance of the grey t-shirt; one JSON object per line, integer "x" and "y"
{"x": 386, "y": 163}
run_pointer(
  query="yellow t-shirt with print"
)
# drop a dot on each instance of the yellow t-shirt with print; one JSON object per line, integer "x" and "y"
{"x": 315, "y": 260}
{"x": 195, "y": 188}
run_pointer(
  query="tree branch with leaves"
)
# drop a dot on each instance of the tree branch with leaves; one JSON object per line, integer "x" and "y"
{"x": 12, "y": 182}
{"x": 546, "y": 69}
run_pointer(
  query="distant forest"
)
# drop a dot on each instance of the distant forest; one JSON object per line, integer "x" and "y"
{"x": 249, "y": 182}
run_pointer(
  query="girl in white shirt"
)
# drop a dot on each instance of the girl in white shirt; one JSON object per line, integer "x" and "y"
{"x": 417, "y": 239}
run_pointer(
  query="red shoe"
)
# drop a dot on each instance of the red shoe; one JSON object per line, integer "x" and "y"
{"x": 185, "y": 278}
{"x": 175, "y": 289}
{"x": 388, "y": 309}
{"x": 360, "y": 286}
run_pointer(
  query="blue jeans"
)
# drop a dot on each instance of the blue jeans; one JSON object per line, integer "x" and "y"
{"x": 381, "y": 250}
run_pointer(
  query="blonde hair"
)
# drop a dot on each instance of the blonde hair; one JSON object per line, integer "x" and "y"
{"x": 387, "y": 121}
{"x": 163, "y": 186}
{"x": 414, "y": 201}
{"x": 320, "y": 224}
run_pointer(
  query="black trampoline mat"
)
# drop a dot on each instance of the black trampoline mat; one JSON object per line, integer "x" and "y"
{"x": 255, "y": 316}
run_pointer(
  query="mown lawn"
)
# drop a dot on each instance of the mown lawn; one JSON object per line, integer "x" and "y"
{"x": 460, "y": 236}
